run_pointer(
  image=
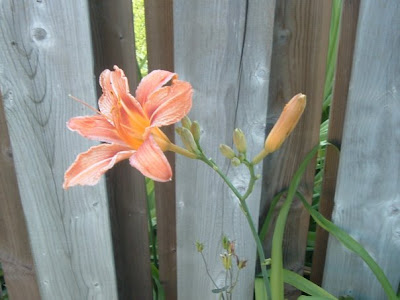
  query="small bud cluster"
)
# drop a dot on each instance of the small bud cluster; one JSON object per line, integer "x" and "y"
{"x": 190, "y": 135}
{"x": 228, "y": 259}
{"x": 239, "y": 140}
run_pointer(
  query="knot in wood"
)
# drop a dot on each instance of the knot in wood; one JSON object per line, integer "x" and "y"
{"x": 39, "y": 33}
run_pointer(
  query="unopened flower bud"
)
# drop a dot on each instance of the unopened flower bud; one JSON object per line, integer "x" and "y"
{"x": 188, "y": 141}
{"x": 225, "y": 242}
{"x": 239, "y": 140}
{"x": 178, "y": 130}
{"x": 231, "y": 248}
{"x": 186, "y": 123}
{"x": 242, "y": 264}
{"x": 226, "y": 151}
{"x": 195, "y": 130}
{"x": 235, "y": 161}
{"x": 199, "y": 247}
{"x": 267, "y": 262}
{"x": 287, "y": 121}
{"x": 226, "y": 261}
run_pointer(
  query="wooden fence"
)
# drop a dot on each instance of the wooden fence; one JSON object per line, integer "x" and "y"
{"x": 245, "y": 59}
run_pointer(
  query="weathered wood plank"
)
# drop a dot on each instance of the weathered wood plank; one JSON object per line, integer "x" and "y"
{"x": 336, "y": 120}
{"x": 298, "y": 65}
{"x": 224, "y": 49}
{"x": 15, "y": 251}
{"x": 367, "y": 200}
{"x": 114, "y": 44}
{"x": 160, "y": 54}
{"x": 46, "y": 54}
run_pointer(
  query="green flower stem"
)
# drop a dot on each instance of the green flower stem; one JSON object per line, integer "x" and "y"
{"x": 208, "y": 272}
{"x": 175, "y": 148}
{"x": 152, "y": 236}
{"x": 235, "y": 281}
{"x": 260, "y": 249}
{"x": 246, "y": 211}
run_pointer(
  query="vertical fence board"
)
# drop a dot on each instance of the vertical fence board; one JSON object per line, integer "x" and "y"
{"x": 298, "y": 65}
{"x": 160, "y": 50}
{"x": 367, "y": 200}
{"x": 46, "y": 54}
{"x": 15, "y": 251}
{"x": 113, "y": 43}
{"x": 336, "y": 119}
{"x": 224, "y": 49}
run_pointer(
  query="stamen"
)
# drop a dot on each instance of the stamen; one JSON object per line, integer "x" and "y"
{"x": 85, "y": 104}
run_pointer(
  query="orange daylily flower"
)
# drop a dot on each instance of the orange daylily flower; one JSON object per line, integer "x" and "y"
{"x": 130, "y": 126}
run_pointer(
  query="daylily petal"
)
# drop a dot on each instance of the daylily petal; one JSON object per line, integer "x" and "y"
{"x": 151, "y": 161}
{"x": 169, "y": 104}
{"x": 151, "y": 83}
{"x": 116, "y": 94}
{"x": 106, "y": 101}
{"x": 89, "y": 166}
{"x": 95, "y": 128}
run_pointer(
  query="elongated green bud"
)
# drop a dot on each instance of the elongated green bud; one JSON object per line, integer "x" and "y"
{"x": 188, "y": 141}
{"x": 225, "y": 242}
{"x": 186, "y": 123}
{"x": 239, "y": 140}
{"x": 195, "y": 129}
{"x": 235, "y": 162}
{"x": 178, "y": 130}
{"x": 227, "y": 151}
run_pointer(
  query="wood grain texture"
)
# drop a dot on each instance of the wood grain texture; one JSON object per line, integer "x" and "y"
{"x": 160, "y": 50}
{"x": 301, "y": 35}
{"x": 367, "y": 199}
{"x": 224, "y": 49}
{"x": 46, "y": 55}
{"x": 15, "y": 251}
{"x": 113, "y": 43}
{"x": 347, "y": 37}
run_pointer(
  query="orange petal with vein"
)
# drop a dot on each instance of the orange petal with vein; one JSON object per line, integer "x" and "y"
{"x": 106, "y": 101}
{"x": 89, "y": 166}
{"x": 151, "y": 161}
{"x": 95, "y": 128}
{"x": 116, "y": 92}
{"x": 151, "y": 83}
{"x": 169, "y": 104}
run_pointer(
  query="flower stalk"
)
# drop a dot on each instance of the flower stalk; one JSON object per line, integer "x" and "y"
{"x": 245, "y": 208}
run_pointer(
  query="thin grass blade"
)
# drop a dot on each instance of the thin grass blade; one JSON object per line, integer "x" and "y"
{"x": 352, "y": 245}
{"x": 277, "y": 287}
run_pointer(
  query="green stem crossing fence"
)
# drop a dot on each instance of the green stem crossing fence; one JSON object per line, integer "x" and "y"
{"x": 244, "y": 60}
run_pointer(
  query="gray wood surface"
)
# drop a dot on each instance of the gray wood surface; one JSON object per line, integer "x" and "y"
{"x": 367, "y": 200}
{"x": 224, "y": 49}
{"x": 46, "y": 55}
{"x": 113, "y": 42}
{"x": 15, "y": 251}
{"x": 160, "y": 55}
{"x": 336, "y": 121}
{"x": 299, "y": 56}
